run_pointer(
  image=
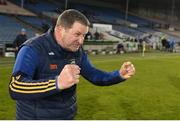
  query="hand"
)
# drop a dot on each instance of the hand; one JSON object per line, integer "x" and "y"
{"x": 127, "y": 70}
{"x": 69, "y": 76}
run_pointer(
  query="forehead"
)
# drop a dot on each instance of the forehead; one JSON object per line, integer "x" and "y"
{"x": 78, "y": 27}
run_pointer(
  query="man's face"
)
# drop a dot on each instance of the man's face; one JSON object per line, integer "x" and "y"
{"x": 23, "y": 33}
{"x": 72, "y": 39}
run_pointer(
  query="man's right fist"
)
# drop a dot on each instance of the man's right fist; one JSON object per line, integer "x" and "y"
{"x": 69, "y": 76}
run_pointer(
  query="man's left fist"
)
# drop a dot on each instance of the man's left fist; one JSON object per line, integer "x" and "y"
{"x": 127, "y": 70}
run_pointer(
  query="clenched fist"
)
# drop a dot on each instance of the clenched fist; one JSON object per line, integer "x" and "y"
{"x": 69, "y": 76}
{"x": 127, "y": 70}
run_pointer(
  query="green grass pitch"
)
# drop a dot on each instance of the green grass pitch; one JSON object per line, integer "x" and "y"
{"x": 153, "y": 93}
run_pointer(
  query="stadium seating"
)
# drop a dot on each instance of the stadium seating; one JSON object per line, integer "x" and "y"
{"x": 38, "y": 7}
{"x": 10, "y": 28}
{"x": 49, "y": 9}
{"x": 128, "y": 31}
{"x": 34, "y": 21}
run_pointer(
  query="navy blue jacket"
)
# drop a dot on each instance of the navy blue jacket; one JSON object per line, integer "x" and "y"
{"x": 34, "y": 85}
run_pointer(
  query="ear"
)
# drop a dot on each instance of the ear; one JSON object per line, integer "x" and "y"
{"x": 58, "y": 30}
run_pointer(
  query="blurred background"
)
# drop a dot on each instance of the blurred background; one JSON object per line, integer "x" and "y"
{"x": 145, "y": 32}
{"x": 117, "y": 26}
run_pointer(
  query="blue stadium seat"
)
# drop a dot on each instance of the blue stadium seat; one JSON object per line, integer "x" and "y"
{"x": 10, "y": 28}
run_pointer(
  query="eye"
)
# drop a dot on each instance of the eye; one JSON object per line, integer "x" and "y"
{"x": 77, "y": 34}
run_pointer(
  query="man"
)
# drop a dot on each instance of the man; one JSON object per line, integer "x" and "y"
{"x": 20, "y": 39}
{"x": 48, "y": 68}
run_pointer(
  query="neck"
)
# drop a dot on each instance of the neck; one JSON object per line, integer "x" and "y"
{"x": 58, "y": 37}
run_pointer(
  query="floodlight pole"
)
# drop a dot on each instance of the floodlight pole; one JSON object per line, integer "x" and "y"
{"x": 172, "y": 11}
{"x": 66, "y": 4}
{"x": 127, "y": 7}
{"x": 22, "y": 3}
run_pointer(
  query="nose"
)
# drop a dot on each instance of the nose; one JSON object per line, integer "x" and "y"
{"x": 81, "y": 39}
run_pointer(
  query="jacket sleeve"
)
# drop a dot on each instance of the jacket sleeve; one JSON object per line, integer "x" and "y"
{"x": 22, "y": 84}
{"x": 99, "y": 77}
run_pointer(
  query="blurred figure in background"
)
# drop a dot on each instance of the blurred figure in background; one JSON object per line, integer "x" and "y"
{"x": 172, "y": 44}
{"x": 120, "y": 48}
{"x": 20, "y": 39}
{"x": 96, "y": 35}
